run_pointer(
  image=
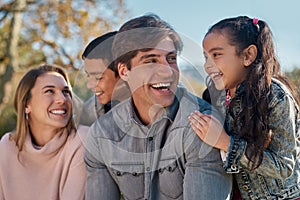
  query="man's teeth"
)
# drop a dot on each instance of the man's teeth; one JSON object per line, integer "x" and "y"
{"x": 58, "y": 112}
{"x": 161, "y": 85}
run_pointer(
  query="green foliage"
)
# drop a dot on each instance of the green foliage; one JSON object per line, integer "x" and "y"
{"x": 294, "y": 77}
{"x": 9, "y": 119}
{"x": 51, "y": 31}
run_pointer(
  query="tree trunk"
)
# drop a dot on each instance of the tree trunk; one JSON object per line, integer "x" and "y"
{"x": 12, "y": 52}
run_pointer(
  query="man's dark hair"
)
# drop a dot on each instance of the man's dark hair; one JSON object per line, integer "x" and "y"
{"x": 142, "y": 34}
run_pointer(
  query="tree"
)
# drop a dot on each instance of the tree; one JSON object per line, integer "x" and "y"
{"x": 33, "y": 32}
{"x": 294, "y": 77}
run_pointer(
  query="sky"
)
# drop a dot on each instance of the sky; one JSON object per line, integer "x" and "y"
{"x": 192, "y": 18}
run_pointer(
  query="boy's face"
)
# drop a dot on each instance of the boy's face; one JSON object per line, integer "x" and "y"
{"x": 101, "y": 80}
{"x": 154, "y": 76}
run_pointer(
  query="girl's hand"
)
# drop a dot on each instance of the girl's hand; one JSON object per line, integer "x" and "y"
{"x": 210, "y": 130}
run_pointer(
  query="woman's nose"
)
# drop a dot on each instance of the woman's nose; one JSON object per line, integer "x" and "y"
{"x": 60, "y": 97}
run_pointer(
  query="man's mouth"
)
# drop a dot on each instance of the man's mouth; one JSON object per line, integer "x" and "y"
{"x": 161, "y": 86}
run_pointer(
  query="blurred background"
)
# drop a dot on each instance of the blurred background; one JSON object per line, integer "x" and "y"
{"x": 33, "y": 32}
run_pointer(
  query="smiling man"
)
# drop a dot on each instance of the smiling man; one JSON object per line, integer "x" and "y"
{"x": 144, "y": 148}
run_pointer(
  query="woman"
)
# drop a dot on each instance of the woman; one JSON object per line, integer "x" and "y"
{"x": 43, "y": 157}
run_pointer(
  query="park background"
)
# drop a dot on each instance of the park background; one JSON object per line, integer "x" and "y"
{"x": 33, "y": 32}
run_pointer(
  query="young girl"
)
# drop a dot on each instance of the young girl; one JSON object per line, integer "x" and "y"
{"x": 261, "y": 136}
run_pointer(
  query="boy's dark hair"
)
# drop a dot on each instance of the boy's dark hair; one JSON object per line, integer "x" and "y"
{"x": 100, "y": 48}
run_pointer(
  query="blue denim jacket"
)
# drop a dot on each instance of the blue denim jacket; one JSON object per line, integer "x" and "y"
{"x": 278, "y": 176}
{"x": 163, "y": 161}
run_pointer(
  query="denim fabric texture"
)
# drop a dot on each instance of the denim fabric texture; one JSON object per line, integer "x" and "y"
{"x": 91, "y": 110}
{"x": 163, "y": 161}
{"x": 278, "y": 176}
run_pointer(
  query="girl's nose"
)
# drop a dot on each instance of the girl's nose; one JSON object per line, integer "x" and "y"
{"x": 208, "y": 64}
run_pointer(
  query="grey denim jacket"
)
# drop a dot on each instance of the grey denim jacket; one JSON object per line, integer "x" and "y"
{"x": 278, "y": 176}
{"x": 163, "y": 161}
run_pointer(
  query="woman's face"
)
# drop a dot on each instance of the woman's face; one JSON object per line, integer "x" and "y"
{"x": 50, "y": 105}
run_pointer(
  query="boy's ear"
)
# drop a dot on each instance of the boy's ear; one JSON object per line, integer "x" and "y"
{"x": 250, "y": 54}
{"x": 122, "y": 69}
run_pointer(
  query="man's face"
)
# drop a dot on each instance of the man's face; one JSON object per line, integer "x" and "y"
{"x": 101, "y": 80}
{"x": 154, "y": 76}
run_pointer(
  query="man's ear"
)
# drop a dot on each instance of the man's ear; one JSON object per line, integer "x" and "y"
{"x": 250, "y": 54}
{"x": 123, "y": 71}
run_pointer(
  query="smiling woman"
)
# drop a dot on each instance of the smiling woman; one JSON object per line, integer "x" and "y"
{"x": 45, "y": 151}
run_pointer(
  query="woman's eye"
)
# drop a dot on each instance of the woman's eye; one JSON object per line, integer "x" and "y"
{"x": 49, "y": 91}
{"x": 66, "y": 91}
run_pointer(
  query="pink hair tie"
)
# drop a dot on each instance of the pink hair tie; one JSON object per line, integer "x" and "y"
{"x": 255, "y": 21}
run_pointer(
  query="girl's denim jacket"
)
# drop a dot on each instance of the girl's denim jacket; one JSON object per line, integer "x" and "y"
{"x": 278, "y": 176}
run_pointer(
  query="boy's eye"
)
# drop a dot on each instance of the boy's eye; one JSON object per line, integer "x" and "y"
{"x": 98, "y": 78}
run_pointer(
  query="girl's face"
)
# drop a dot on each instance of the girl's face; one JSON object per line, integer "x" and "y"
{"x": 50, "y": 105}
{"x": 222, "y": 63}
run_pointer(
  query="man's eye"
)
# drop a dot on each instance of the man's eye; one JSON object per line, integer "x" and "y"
{"x": 150, "y": 61}
{"x": 172, "y": 59}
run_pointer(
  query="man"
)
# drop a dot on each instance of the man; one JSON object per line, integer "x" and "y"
{"x": 144, "y": 147}
{"x": 103, "y": 79}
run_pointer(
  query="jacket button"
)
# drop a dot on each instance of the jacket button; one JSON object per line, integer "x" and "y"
{"x": 245, "y": 187}
{"x": 233, "y": 167}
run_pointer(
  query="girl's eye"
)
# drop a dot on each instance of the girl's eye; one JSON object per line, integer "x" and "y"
{"x": 216, "y": 54}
